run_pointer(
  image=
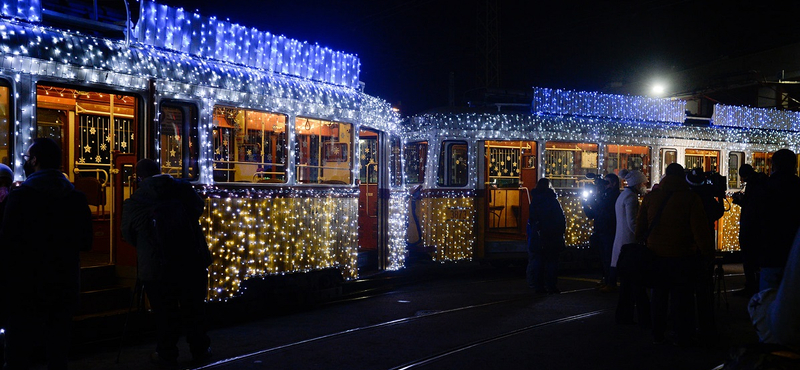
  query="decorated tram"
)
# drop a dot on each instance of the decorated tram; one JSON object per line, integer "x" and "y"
{"x": 300, "y": 169}
{"x": 471, "y": 172}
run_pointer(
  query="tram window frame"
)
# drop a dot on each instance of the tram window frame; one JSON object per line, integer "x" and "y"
{"x": 327, "y": 152}
{"x": 190, "y": 149}
{"x": 6, "y": 132}
{"x": 451, "y": 172}
{"x": 585, "y": 163}
{"x": 734, "y": 181}
{"x": 645, "y": 166}
{"x": 238, "y": 162}
{"x": 696, "y": 152}
{"x": 663, "y": 158}
{"x": 765, "y": 166}
{"x": 415, "y": 158}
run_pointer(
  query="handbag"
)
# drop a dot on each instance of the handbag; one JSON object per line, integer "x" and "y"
{"x": 636, "y": 261}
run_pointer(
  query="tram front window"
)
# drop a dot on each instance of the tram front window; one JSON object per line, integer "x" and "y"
{"x": 708, "y": 160}
{"x": 618, "y": 157}
{"x": 567, "y": 163}
{"x": 416, "y": 157}
{"x": 249, "y": 146}
{"x": 762, "y": 162}
{"x": 322, "y": 151}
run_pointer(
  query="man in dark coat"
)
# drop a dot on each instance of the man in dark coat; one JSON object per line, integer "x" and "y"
{"x": 778, "y": 217}
{"x": 748, "y": 225}
{"x": 546, "y": 227}
{"x": 602, "y": 210}
{"x": 45, "y": 226}
{"x": 678, "y": 237}
{"x": 174, "y": 276}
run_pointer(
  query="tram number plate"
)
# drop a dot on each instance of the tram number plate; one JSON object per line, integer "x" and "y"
{"x": 458, "y": 213}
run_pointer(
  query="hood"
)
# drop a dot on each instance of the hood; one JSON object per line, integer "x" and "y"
{"x": 156, "y": 187}
{"x": 674, "y": 183}
{"x": 541, "y": 196}
{"x": 52, "y": 183}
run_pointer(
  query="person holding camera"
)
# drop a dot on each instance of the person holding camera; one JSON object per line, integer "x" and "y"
{"x": 601, "y": 210}
{"x": 749, "y": 240}
{"x": 710, "y": 186}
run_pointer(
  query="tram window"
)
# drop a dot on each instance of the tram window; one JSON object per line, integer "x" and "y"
{"x": 762, "y": 162}
{"x": 179, "y": 153}
{"x": 89, "y": 125}
{"x": 5, "y": 118}
{"x": 453, "y": 164}
{"x": 416, "y": 156}
{"x": 734, "y": 163}
{"x": 395, "y": 163}
{"x": 322, "y": 151}
{"x": 249, "y": 146}
{"x": 510, "y": 164}
{"x": 708, "y": 160}
{"x": 567, "y": 163}
{"x": 618, "y": 157}
{"x": 668, "y": 157}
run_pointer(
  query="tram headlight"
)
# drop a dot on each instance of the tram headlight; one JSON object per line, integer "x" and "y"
{"x": 586, "y": 194}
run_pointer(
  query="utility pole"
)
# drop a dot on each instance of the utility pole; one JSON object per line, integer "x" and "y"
{"x": 488, "y": 44}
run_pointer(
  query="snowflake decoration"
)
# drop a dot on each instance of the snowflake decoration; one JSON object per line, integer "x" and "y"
{"x": 124, "y": 145}
{"x": 98, "y": 159}
{"x": 103, "y": 146}
{"x": 108, "y": 138}
{"x": 81, "y": 160}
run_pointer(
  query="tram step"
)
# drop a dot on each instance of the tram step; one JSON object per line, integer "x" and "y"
{"x": 98, "y": 277}
{"x": 102, "y": 300}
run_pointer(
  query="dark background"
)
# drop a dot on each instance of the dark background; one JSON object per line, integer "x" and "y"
{"x": 409, "y": 49}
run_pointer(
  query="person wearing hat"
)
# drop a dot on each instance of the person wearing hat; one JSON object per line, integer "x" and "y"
{"x": 632, "y": 296}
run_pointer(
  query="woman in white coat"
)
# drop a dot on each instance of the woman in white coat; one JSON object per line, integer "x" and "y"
{"x": 632, "y": 294}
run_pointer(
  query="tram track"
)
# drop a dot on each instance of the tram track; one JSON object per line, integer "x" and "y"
{"x": 419, "y": 315}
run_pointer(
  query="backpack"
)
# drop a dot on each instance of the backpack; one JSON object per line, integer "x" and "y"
{"x": 176, "y": 234}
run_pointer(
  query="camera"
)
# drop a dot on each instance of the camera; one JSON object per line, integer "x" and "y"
{"x": 717, "y": 183}
{"x": 596, "y": 189}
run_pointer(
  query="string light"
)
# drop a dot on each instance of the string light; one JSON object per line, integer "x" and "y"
{"x": 251, "y": 231}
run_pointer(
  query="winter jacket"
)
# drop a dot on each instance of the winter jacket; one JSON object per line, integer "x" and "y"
{"x": 602, "y": 212}
{"x": 682, "y": 230}
{"x": 779, "y": 218}
{"x": 754, "y": 193}
{"x": 783, "y": 320}
{"x": 45, "y": 226}
{"x": 137, "y": 229}
{"x": 627, "y": 208}
{"x": 546, "y": 224}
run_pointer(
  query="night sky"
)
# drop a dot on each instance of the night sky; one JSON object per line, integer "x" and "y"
{"x": 409, "y": 48}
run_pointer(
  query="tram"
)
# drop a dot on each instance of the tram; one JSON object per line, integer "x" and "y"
{"x": 472, "y": 171}
{"x": 300, "y": 169}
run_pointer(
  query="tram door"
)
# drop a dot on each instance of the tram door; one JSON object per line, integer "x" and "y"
{"x": 368, "y": 169}
{"x": 510, "y": 174}
{"x": 92, "y": 127}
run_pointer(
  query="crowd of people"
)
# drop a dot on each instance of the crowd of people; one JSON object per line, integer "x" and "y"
{"x": 675, "y": 220}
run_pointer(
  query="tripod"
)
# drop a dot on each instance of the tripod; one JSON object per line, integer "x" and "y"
{"x": 720, "y": 289}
